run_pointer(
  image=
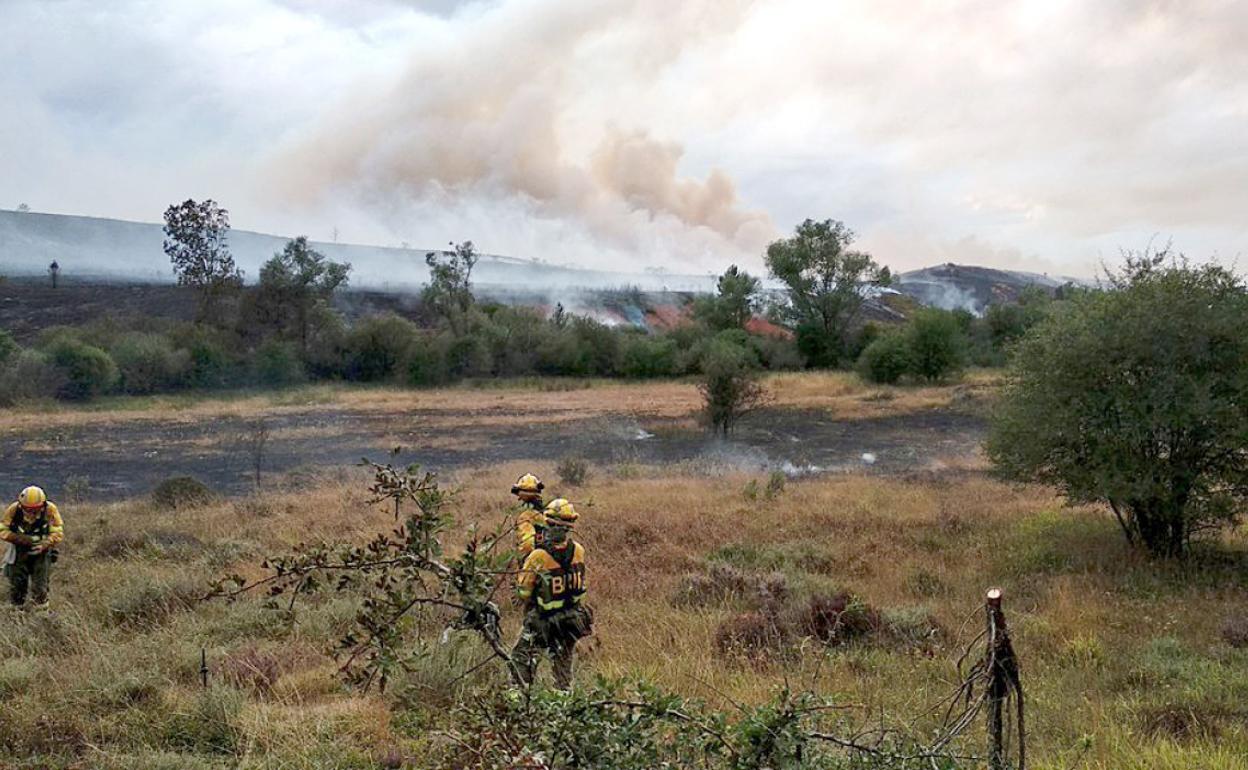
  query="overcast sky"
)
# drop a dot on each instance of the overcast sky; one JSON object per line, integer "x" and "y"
{"x": 1043, "y": 134}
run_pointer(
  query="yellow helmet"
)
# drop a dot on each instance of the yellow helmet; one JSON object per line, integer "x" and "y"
{"x": 32, "y": 498}
{"x": 560, "y": 511}
{"x": 527, "y": 484}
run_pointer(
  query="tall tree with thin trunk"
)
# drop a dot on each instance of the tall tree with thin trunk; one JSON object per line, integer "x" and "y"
{"x": 196, "y": 241}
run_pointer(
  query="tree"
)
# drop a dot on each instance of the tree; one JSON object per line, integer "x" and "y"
{"x": 294, "y": 283}
{"x": 729, "y": 386}
{"x": 1137, "y": 397}
{"x": 936, "y": 342}
{"x": 733, "y": 304}
{"x": 824, "y": 280}
{"x": 195, "y": 240}
{"x": 449, "y": 293}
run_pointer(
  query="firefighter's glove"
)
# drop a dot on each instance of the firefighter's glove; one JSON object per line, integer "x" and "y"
{"x": 23, "y": 540}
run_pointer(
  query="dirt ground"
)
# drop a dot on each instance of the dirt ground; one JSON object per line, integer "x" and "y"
{"x": 123, "y": 456}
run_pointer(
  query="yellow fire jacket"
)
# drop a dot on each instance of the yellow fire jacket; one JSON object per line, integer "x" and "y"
{"x": 550, "y": 583}
{"x": 16, "y": 522}
{"x": 529, "y": 521}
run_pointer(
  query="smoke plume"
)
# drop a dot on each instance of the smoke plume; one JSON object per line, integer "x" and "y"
{"x": 523, "y": 114}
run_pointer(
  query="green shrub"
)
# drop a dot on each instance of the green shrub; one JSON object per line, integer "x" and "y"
{"x": 148, "y": 363}
{"x": 1135, "y": 398}
{"x": 88, "y": 371}
{"x": 277, "y": 363}
{"x": 646, "y": 356}
{"x": 426, "y": 362}
{"x": 729, "y": 386}
{"x": 377, "y": 346}
{"x": 467, "y": 356}
{"x": 8, "y": 347}
{"x": 29, "y": 375}
{"x": 213, "y": 362}
{"x": 598, "y": 348}
{"x": 775, "y": 353}
{"x": 937, "y": 344}
{"x": 886, "y": 359}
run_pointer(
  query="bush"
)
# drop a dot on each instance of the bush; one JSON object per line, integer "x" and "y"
{"x": 886, "y": 359}
{"x": 8, "y": 347}
{"x": 729, "y": 387}
{"x": 181, "y": 492}
{"x": 277, "y": 364}
{"x": 377, "y": 346}
{"x": 148, "y": 363}
{"x": 467, "y": 356}
{"x": 598, "y": 348}
{"x": 88, "y": 371}
{"x": 936, "y": 342}
{"x": 29, "y": 375}
{"x": 1134, "y": 398}
{"x": 646, "y": 356}
{"x": 211, "y": 365}
{"x": 573, "y": 471}
{"x": 426, "y": 362}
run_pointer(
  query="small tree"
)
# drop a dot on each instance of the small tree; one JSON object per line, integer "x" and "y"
{"x": 886, "y": 360}
{"x": 54, "y": 271}
{"x": 449, "y": 293}
{"x": 936, "y": 342}
{"x": 730, "y": 388}
{"x": 294, "y": 283}
{"x": 824, "y": 280}
{"x": 733, "y": 304}
{"x": 1136, "y": 397}
{"x": 195, "y": 240}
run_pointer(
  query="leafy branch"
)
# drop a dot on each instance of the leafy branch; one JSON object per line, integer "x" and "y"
{"x": 395, "y": 573}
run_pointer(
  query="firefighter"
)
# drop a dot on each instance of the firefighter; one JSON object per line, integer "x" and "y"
{"x": 33, "y": 528}
{"x": 530, "y": 520}
{"x": 551, "y": 587}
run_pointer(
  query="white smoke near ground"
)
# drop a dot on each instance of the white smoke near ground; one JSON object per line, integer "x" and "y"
{"x": 497, "y": 117}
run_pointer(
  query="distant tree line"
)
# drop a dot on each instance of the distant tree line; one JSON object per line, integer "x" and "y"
{"x": 284, "y": 329}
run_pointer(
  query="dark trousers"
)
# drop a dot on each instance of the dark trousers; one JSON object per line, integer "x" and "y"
{"x": 30, "y": 571}
{"x": 556, "y": 637}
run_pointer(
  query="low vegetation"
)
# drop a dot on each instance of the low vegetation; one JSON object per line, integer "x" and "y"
{"x": 862, "y": 590}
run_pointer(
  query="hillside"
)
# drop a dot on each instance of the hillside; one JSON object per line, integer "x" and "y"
{"x": 968, "y": 287}
{"x": 95, "y": 248}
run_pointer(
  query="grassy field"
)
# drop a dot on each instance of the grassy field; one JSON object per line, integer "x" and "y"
{"x": 842, "y": 394}
{"x": 1127, "y": 663}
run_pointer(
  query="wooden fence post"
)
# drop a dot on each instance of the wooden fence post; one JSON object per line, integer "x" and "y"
{"x": 1002, "y": 679}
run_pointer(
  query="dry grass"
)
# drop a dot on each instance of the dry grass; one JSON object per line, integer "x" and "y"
{"x": 843, "y": 395}
{"x": 1118, "y": 653}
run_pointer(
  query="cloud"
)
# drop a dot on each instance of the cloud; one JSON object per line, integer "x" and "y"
{"x": 614, "y": 132}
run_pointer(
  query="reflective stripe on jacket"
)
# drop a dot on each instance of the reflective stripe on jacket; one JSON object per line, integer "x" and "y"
{"x": 46, "y": 524}
{"x": 547, "y": 584}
